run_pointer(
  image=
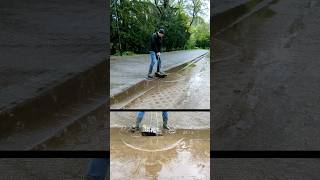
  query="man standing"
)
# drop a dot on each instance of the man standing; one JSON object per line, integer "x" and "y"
{"x": 140, "y": 117}
{"x": 155, "y": 48}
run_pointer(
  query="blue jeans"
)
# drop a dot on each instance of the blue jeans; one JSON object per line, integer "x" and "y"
{"x": 141, "y": 114}
{"x": 97, "y": 169}
{"x": 153, "y": 57}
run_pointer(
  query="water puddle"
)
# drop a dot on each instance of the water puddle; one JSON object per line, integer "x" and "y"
{"x": 183, "y": 154}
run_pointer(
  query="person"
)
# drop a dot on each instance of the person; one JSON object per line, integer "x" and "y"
{"x": 97, "y": 169}
{"x": 155, "y": 49}
{"x": 140, "y": 117}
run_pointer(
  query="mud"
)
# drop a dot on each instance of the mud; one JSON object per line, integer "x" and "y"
{"x": 183, "y": 155}
{"x": 185, "y": 88}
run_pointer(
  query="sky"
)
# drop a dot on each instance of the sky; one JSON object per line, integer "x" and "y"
{"x": 206, "y": 15}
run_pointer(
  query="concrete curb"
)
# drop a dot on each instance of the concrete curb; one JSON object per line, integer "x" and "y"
{"x": 228, "y": 18}
{"x": 74, "y": 90}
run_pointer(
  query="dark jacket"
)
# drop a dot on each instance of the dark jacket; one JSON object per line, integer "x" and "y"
{"x": 155, "y": 43}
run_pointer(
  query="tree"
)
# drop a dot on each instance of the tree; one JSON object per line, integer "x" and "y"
{"x": 195, "y": 7}
{"x": 134, "y": 21}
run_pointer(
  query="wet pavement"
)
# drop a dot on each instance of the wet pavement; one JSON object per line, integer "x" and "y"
{"x": 80, "y": 127}
{"x": 219, "y": 6}
{"x": 187, "y": 87}
{"x": 182, "y": 153}
{"x": 127, "y": 71}
{"x": 266, "y": 90}
{"x": 52, "y": 70}
{"x": 41, "y": 48}
{"x": 265, "y": 168}
{"x": 90, "y": 132}
{"x": 43, "y": 168}
{"x": 178, "y": 120}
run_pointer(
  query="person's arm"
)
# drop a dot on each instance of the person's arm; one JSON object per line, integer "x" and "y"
{"x": 154, "y": 43}
{"x": 158, "y": 46}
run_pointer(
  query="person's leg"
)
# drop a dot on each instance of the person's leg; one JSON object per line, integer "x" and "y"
{"x": 159, "y": 64}
{"x": 97, "y": 169}
{"x": 139, "y": 119}
{"x": 165, "y": 119}
{"x": 153, "y": 61}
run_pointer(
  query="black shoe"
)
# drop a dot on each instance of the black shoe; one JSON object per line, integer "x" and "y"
{"x": 150, "y": 76}
{"x": 135, "y": 129}
{"x": 160, "y": 74}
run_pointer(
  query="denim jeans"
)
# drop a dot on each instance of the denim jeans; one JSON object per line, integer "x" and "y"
{"x": 141, "y": 114}
{"x": 97, "y": 169}
{"x": 153, "y": 58}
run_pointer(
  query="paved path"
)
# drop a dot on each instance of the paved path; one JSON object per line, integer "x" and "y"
{"x": 267, "y": 97}
{"x": 252, "y": 169}
{"x": 42, "y": 44}
{"x": 184, "y": 88}
{"x": 178, "y": 120}
{"x": 44, "y": 168}
{"x": 129, "y": 70}
{"x": 219, "y": 6}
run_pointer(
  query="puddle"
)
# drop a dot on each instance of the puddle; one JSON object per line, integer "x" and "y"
{"x": 184, "y": 154}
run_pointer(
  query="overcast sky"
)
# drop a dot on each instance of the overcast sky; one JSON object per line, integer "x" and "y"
{"x": 206, "y": 15}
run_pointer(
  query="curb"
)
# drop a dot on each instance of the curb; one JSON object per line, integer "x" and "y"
{"x": 78, "y": 88}
{"x": 224, "y": 20}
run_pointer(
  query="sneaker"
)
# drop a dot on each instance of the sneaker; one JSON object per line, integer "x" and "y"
{"x": 160, "y": 74}
{"x": 150, "y": 76}
{"x": 165, "y": 127}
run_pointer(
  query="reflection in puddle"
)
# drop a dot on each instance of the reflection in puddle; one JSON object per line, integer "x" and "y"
{"x": 184, "y": 154}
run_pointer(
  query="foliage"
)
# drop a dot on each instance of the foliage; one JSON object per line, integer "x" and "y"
{"x": 134, "y": 21}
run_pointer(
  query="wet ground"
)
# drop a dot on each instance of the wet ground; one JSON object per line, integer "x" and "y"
{"x": 43, "y": 168}
{"x": 185, "y": 154}
{"x": 265, "y": 168}
{"x": 182, "y": 153}
{"x": 187, "y": 87}
{"x": 219, "y": 6}
{"x": 43, "y": 44}
{"x": 83, "y": 127}
{"x": 266, "y": 80}
{"x": 178, "y": 120}
{"x": 90, "y": 132}
{"x": 127, "y": 71}
{"x": 52, "y": 69}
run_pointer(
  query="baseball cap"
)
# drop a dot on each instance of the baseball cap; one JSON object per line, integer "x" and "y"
{"x": 161, "y": 30}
